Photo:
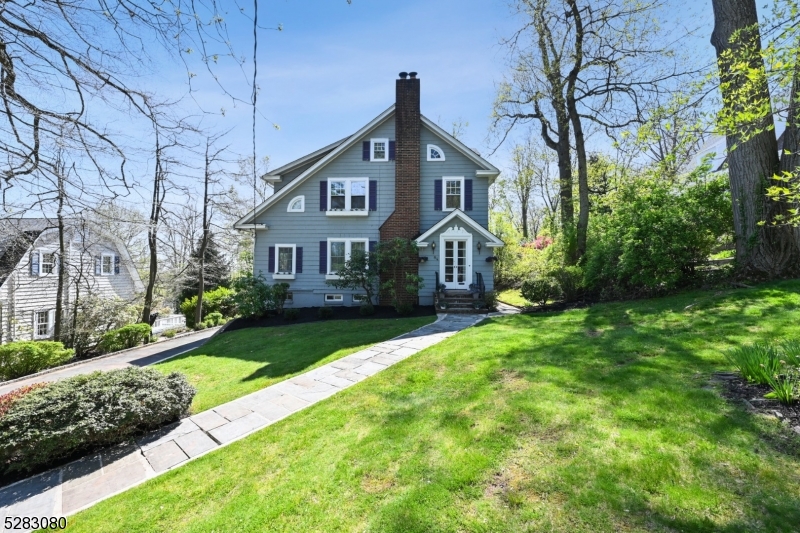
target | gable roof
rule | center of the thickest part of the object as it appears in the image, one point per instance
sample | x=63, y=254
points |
x=338, y=147
x=275, y=175
x=492, y=241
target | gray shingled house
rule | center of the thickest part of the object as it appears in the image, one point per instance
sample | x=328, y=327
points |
x=400, y=175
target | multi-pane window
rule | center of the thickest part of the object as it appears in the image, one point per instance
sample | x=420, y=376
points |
x=42, y=323
x=285, y=260
x=453, y=193
x=348, y=194
x=340, y=251
x=48, y=263
x=107, y=265
x=380, y=149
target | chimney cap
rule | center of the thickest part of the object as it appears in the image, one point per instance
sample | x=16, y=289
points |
x=403, y=75
x=413, y=75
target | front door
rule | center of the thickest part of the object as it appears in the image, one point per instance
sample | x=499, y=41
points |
x=455, y=264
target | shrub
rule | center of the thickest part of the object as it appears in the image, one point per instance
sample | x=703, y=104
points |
x=28, y=357
x=279, y=293
x=570, y=282
x=214, y=319
x=170, y=333
x=88, y=411
x=404, y=308
x=490, y=300
x=366, y=309
x=94, y=316
x=220, y=301
x=538, y=291
x=253, y=296
x=8, y=399
x=291, y=314
x=201, y=326
x=325, y=313
x=125, y=337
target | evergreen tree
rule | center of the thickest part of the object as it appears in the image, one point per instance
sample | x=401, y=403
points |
x=217, y=270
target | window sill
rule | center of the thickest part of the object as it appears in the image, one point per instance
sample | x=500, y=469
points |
x=283, y=276
x=332, y=276
x=347, y=213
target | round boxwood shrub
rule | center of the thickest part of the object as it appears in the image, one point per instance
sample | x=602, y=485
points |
x=325, y=313
x=86, y=412
x=291, y=314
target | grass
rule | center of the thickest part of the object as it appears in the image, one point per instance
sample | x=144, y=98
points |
x=589, y=420
x=239, y=362
x=512, y=297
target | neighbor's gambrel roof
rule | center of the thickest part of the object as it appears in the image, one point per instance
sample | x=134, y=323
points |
x=333, y=150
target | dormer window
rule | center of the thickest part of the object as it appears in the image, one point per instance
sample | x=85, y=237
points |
x=435, y=153
x=379, y=150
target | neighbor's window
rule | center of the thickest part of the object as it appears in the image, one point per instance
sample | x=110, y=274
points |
x=380, y=150
x=47, y=263
x=340, y=250
x=348, y=194
x=42, y=324
x=453, y=193
x=107, y=265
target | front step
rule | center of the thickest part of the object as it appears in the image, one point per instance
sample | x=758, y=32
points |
x=458, y=301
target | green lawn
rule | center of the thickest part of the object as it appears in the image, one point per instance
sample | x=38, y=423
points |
x=513, y=297
x=239, y=362
x=589, y=420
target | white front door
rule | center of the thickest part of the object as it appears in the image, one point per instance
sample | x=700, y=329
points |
x=455, y=258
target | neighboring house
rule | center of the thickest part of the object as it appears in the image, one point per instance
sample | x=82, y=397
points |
x=96, y=264
x=400, y=175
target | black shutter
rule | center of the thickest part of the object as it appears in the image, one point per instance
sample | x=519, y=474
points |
x=97, y=262
x=437, y=195
x=467, y=195
x=373, y=195
x=34, y=263
x=116, y=265
x=372, y=245
x=323, y=195
x=323, y=257
x=365, y=151
x=299, y=256
x=271, y=268
x=391, y=150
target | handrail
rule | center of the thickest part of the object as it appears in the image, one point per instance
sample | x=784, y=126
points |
x=481, y=285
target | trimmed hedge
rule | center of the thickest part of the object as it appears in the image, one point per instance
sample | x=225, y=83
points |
x=125, y=337
x=86, y=412
x=28, y=357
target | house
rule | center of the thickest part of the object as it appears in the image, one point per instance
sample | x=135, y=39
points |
x=400, y=175
x=95, y=264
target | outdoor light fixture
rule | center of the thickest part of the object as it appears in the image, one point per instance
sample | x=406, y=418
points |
x=479, y=246
x=433, y=246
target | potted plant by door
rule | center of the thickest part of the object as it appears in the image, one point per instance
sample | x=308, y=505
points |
x=441, y=289
x=475, y=290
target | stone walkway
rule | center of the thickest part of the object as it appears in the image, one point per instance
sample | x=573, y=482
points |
x=78, y=485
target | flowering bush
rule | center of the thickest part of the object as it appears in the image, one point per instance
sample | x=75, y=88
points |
x=8, y=399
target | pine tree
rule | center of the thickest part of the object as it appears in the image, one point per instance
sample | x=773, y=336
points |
x=217, y=270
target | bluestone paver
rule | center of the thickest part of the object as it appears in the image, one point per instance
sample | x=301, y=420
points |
x=84, y=482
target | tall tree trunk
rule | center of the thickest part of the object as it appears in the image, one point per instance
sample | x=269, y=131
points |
x=198, y=312
x=152, y=234
x=760, y=249
x=790, y=154
x=62, y=268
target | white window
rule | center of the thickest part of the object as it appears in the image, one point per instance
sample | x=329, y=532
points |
x=297, y=205
x=47, y=262
x=334, y=298
x=43, y=322
x=435, y=153
x=379, y=150
x=339, y=251
x=285, y=261
x=107, y=265
x=358, y=298
x=453, y=193
x=348, y=196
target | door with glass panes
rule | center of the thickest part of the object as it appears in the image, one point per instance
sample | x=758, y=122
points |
x=455, y=263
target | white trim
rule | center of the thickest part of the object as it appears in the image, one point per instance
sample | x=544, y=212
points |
x=285, y=275
x=456, y=234
x=53, y=263
x=434, y=147
x=336, y=298
x=493, y=241
x=251, y=226
x=372, y=150
x=445, y=179
x=275, y=175
x=102, y=262
x=301, y=209
x=50, y=319
x=362, y=298
x=348, y=242
x=357, y=136
x=348, y=211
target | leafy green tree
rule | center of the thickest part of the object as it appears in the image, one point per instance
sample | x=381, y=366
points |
x=359, y=272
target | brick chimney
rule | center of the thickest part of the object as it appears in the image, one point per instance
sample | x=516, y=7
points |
x=404, y=221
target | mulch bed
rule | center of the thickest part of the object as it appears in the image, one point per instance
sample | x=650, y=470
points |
x=737, y=389
x=309, y=314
